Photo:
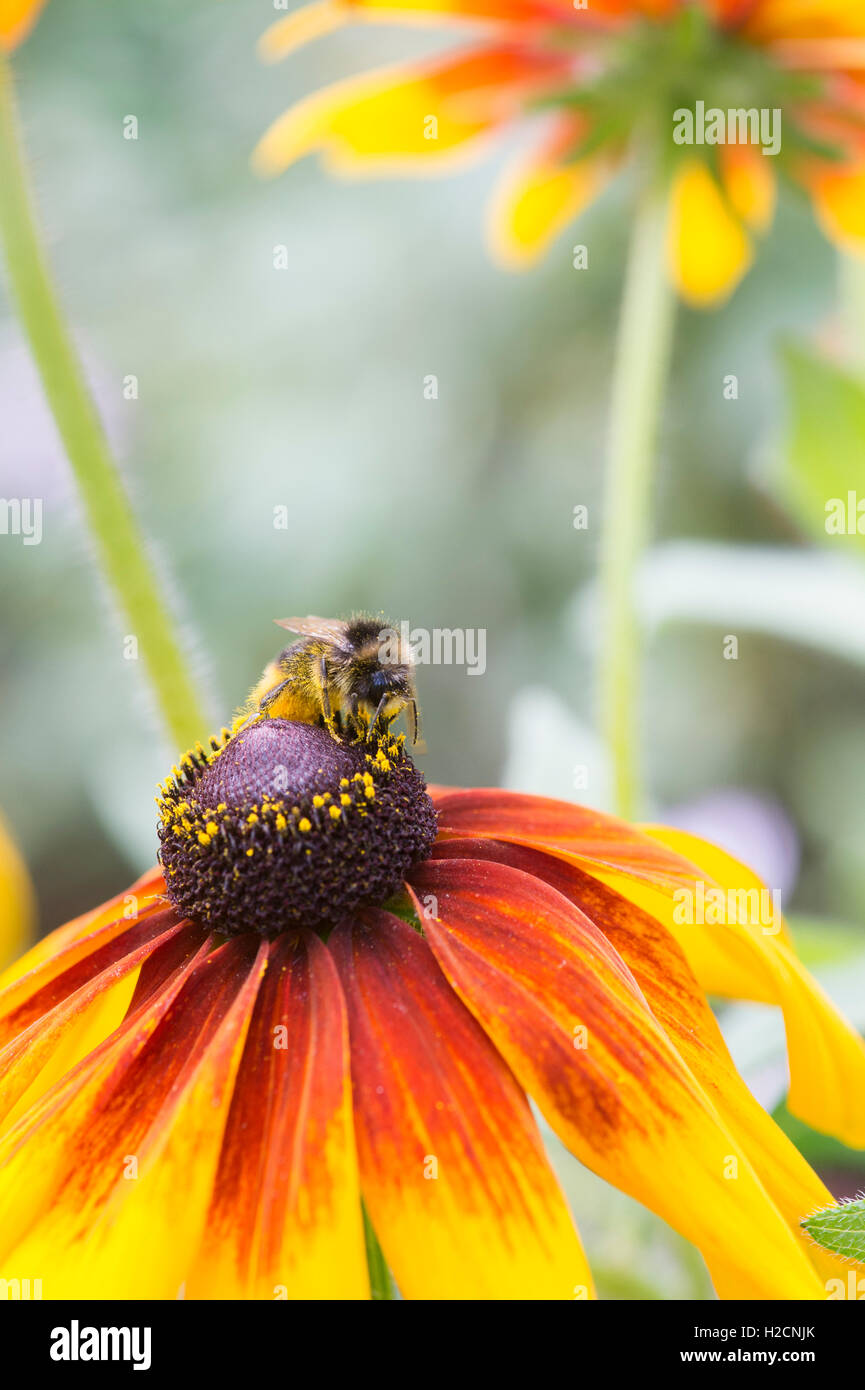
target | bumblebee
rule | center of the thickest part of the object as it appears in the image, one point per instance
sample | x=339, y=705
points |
x=353, y=677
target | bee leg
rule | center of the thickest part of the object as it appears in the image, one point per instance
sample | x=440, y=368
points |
x=271, y=695
x=372, y=723
x=329, y=721
x=414, y=725
x=354, y=722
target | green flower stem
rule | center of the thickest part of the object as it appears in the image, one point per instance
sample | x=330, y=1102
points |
x=120, y=545
x=380, y=1282
x=639, y=375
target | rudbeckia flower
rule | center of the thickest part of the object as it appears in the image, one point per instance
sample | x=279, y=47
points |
x=17, y=18
x=604, y=80
x=341, y=989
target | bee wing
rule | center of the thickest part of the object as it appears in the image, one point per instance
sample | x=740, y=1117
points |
x=334, y=628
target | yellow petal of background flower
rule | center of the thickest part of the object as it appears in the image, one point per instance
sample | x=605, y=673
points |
x=742, y=961
x=17, y=18
x=749, y=184
x=16, y=899
x=534, y=971
x=805, y=19
x=839, y=198
x=539, y=195
x=325, y=16
x=382, y=122
x=453, y=1171
x=709, y=250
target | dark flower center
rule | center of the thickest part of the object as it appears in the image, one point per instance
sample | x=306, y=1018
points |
x=281, y=826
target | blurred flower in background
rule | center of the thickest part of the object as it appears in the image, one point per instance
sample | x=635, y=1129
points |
x=17, y=18
x=16, y=900
x=605, y=80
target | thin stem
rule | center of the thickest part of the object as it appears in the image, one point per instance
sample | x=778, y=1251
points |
x=119, y=543
x=381, y=1284
x=640, y=372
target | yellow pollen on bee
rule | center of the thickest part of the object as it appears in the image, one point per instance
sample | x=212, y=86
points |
x=304, y=825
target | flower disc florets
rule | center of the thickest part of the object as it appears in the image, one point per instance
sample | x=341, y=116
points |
x=281, y=826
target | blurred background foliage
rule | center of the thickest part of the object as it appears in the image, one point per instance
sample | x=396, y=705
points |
x=303, y=387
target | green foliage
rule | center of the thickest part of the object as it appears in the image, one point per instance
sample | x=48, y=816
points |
x=824, y=455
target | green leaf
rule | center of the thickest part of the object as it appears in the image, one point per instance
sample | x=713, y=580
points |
x=821, y=476
x=840, y=1229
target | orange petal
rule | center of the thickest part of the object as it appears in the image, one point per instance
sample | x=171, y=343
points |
x=839, y=198
x=670, y=988
x=749, y=184
x=576, y=833
x=453, y=1171
x=323, y=17
x=144, y=896
x=564, y=1011
x=709, y=250
x=744, y=960
x=540, y=194
x=17, y=18
x=777, y=20
x=285, y=1219
x=38, y=1028
x=401, y=119
x=120, y=1157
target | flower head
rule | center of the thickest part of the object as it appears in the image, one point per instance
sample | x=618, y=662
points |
x=602, y=81
x=194, y=1097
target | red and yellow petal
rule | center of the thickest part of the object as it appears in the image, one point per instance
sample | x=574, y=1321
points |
x=775, y=20
x=121, y=1155
x=749, y=184
x=670, y=988
x=747, y=961
x=324, y=17
x=577, y=833
x=285, y=1218
x=403, y=119
x=839, y=201
x=145, y=895
x=541, y=193
x=453, y=1171
x=709, y=249
x=17, y=18
x=562, y=1008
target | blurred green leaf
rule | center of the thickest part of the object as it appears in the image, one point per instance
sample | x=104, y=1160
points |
x=840, y=1229
x=823, y=458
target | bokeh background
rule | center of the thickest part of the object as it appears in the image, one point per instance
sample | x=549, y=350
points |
x=304, y=387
